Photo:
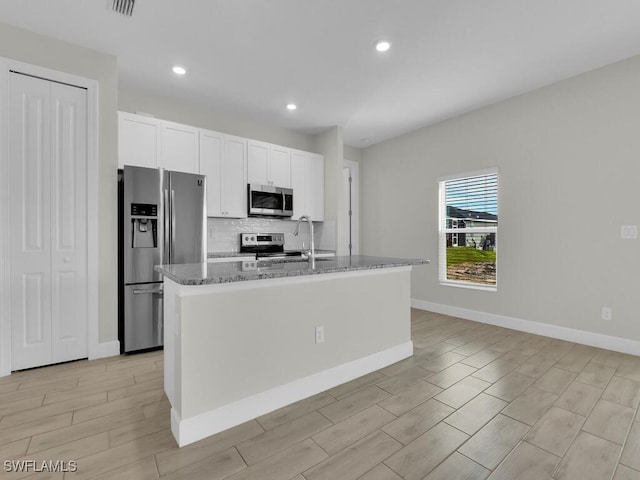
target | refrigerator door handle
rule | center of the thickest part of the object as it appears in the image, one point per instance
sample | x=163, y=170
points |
x=173, y=224
x=167, y=226
x=139, y=291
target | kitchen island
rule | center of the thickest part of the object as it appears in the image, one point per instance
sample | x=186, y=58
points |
x=245, y=338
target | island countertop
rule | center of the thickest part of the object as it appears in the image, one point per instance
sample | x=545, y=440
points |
x=245, y=270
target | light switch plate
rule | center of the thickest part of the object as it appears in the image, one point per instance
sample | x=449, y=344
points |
x=629, y=232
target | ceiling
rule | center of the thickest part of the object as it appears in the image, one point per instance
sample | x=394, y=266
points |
x=251, y=57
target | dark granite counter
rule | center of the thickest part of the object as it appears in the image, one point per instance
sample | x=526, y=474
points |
x=246, y=269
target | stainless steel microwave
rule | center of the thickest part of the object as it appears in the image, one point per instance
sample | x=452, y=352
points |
x=270, y=201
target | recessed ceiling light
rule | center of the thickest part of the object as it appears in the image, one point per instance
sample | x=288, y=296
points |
x=291, y=106
x=383, y=46
x=178, y=70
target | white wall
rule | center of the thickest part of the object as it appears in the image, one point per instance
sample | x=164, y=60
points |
x=46, y=52
x=352, y=153
x=569, y=161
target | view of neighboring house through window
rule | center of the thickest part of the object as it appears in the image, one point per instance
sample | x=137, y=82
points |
x=469, y=230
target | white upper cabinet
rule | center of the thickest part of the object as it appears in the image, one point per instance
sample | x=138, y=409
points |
x=234, y=177
x=148, y=142
x=138, y=140
x=223, y=161
x=179, y=148
x=269, y=164
x=258, y=162
x=307, y=181
x=211, y=151
x=228, y=162
x=300, y=182
x=316, y=187
x=280, y=166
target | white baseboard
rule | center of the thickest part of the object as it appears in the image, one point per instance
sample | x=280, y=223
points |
x=618, y=344
x=192, y=429
x=105, y=349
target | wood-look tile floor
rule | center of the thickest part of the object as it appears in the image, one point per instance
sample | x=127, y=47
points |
x=474, y=402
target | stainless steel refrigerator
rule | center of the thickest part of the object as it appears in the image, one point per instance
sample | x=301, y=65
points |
x=162, y=220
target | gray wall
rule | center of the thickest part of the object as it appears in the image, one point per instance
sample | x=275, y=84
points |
x=29, y=47
x=569, y=161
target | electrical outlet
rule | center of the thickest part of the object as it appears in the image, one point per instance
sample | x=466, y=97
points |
x=607, y=313
x=629, y=232
x=319, y=334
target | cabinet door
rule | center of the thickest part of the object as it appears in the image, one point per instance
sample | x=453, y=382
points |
x=179, y=148
x=258, y=162
x=138, y=140
x=300, y=182
x=211, y=154
x=234, y=177
x=280, y=166
x=316, y=187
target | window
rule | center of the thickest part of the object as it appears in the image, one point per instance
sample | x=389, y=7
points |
x=469, y=230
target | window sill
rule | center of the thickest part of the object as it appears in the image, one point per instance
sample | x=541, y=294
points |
x=471, y=286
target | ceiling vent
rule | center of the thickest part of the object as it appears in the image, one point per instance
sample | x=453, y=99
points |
x=125, y=7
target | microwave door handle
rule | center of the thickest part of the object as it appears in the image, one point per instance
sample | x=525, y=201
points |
x=167, y=226
x=284, y=202
x=173, y=225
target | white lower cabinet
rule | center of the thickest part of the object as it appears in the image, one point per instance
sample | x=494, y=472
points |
x=223, y=161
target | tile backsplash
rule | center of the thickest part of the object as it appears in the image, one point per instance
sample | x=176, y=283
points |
x=224, y=233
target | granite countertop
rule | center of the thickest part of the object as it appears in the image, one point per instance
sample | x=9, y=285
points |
x=229, y=254
x=244, y=270
x=244, y=254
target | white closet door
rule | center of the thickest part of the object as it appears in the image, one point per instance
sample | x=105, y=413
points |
x=68, y=222
x=47, y=162
x=30, y=170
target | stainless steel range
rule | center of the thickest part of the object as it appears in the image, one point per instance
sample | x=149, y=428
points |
x=266, y=245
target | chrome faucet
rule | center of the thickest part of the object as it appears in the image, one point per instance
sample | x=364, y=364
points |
x=312, y=252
